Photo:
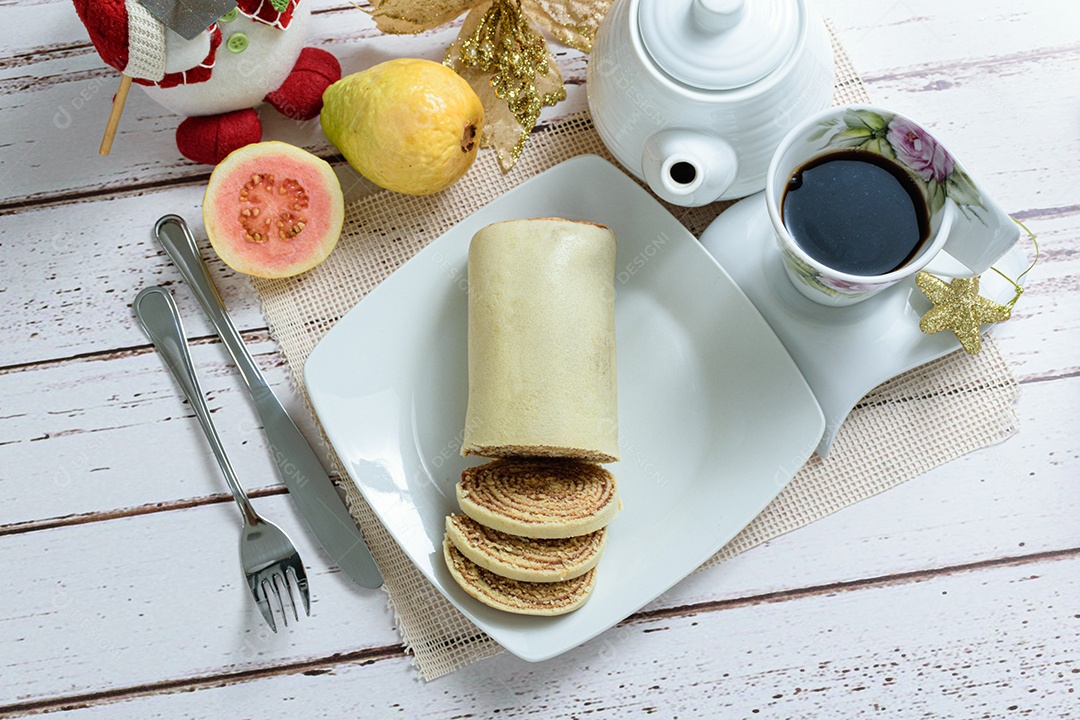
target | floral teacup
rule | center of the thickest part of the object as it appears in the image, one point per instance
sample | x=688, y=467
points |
x=968, y=231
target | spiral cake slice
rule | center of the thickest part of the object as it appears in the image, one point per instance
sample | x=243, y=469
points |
x=526, y=559
x=524, y=598
x=539, y=497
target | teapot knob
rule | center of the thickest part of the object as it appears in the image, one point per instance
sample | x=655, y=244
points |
x=716, y=16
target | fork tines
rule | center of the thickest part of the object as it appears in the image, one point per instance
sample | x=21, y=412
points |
x=271, y=581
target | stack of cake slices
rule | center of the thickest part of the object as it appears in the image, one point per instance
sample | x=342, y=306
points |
x=542, y=402
x=532, y=532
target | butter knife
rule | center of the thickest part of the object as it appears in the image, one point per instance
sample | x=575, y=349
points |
x=309, y=486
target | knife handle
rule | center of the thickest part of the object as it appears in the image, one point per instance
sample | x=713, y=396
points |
x=173, y=234
x=310, y=486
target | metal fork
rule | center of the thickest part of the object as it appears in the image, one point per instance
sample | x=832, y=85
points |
x=267, y=555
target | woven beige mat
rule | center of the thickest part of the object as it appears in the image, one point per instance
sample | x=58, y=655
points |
x=905, y=427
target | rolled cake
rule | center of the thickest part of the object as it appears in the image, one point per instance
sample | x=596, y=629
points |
x=524, y=598
x=540, y=497
x=526, y=559
x=542, y=341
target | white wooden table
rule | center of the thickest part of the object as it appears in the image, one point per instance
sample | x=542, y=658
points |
x=955, y=595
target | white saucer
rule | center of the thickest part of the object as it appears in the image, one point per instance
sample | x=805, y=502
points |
x=842, y=352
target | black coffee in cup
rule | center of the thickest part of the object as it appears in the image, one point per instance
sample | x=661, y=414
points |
x=856, y=212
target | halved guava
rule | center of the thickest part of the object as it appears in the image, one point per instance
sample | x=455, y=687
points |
x=273, y=210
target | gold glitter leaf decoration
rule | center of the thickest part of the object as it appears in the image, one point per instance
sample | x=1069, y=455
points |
x=572, y=22
x=507, y=63
x=415, y=16
x=502, y=54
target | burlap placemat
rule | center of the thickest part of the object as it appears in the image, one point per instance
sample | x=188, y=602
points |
x=903, y=428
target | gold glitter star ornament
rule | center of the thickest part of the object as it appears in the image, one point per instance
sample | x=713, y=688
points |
x=958, y=307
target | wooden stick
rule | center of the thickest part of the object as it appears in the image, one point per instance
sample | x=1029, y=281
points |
x=114, y=116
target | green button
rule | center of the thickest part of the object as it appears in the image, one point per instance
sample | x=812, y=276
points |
x=237, y=43
x=229, y=16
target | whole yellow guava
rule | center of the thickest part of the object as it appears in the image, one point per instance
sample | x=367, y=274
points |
x=408, y=125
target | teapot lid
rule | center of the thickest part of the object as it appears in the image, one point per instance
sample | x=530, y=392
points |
x=718, y=44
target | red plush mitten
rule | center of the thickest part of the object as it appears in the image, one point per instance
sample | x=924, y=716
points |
x=300, y=96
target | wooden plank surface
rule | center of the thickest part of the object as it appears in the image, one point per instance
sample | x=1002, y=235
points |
x=910, y=531
x=992, y=642
x=950, y=596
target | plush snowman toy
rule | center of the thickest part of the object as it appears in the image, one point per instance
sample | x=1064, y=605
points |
x=252, y=54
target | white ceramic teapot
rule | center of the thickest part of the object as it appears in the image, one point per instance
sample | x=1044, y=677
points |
x=693, y=96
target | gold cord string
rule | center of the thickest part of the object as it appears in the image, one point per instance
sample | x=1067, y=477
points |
x=1016, y=283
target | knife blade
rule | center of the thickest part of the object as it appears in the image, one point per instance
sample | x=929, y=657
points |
x=309, y=486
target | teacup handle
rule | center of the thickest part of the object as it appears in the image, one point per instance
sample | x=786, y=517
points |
x=979, y=234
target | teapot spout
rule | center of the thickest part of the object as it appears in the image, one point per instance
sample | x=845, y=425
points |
x=687, y=167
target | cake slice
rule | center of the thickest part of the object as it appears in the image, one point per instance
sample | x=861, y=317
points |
x=526, y=559
x=523, y=598
x=539, y=497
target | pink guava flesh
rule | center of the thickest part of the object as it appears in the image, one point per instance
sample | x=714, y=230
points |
x=273, y=210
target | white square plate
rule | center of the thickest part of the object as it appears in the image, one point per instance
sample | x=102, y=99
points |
x=714, y=416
